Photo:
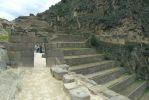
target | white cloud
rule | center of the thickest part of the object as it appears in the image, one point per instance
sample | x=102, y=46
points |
x=10, y=9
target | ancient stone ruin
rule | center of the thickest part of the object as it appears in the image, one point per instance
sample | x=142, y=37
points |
x=92, y=51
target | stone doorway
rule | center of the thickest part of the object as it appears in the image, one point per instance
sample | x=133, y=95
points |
x=39, y=55
x=21, y=47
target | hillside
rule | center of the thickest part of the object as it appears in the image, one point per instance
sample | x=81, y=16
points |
x=5, y=27
x=120, y=18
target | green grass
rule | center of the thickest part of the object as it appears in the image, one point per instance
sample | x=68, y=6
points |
x=147, y=90
x=139, y=81
x=4, y=37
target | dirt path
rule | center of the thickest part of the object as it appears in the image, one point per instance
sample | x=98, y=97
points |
x=38, y=84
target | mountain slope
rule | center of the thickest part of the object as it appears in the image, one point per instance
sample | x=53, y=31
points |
x=103, y=17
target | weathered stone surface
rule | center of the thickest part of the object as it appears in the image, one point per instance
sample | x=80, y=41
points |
x=118, y=98
x=138, y=92
x=32, y=22
x=53, y=54
x=50, y=46
x=5, y=26
x=50, y=61
x=8, y=84
x=15, y=38
x=28, y=38
x=27, y=53
x=14, y=46
x=80, y=93
x=59, y=71
x=70, y=86
x=27, y=61
x=68, y=78
x=3, y=59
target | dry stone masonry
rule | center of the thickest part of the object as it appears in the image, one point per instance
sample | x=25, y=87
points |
x=91, y=77
x=86, y=74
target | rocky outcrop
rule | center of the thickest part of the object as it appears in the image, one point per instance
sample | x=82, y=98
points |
x=5, y=26
x=31, y=23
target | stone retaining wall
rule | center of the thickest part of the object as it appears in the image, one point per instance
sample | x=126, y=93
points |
x=3, y=58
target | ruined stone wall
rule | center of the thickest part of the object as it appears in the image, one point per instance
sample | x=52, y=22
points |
x=3, y=59
x=21, y=48
x=133, y=56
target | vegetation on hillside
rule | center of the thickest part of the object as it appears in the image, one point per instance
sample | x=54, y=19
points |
x=131, y=17
x=4, y=37
x=106, y=13
x=133, y=56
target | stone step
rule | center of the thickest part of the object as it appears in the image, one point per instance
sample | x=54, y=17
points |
x=71, y=44
x=83, y=59
x=69, y=38
x=107, y=75
x=145, y=95
x=121, y=82
x=78, y=51
x=135, y=90
x=93, y=67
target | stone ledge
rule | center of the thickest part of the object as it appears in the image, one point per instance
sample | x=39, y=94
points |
x=80, y=93
x=84, y=89
x=70, y=86
x=58, y=71
x=68, y=78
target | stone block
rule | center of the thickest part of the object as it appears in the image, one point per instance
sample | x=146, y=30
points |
x=13, y=46
x=27, y=46
x=68, y=78
x=27, y=53
x=50, y=61
x=14, y=58
x=58, y=72
x=138, y=92
x=70, y=86
x=54, y=53
x=28, y=38
x=50, y=46
x=15, y=39
x=120, y=85
x=40, y=39
x=71, y=52
x=28, y=61
x=71, y=45
x=84, y=59
x=80, y=93
x=119, y=97
x=64, y=66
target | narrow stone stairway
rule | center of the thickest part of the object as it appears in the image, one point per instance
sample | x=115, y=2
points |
x=86, y=61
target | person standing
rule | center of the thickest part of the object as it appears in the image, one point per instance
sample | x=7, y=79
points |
x=40, y=49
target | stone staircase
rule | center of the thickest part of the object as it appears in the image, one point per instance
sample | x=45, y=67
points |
x=88, y=62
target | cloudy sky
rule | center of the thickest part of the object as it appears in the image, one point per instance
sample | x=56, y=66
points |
x=10, y=9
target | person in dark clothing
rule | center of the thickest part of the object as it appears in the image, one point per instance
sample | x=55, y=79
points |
x=40, y=49
x=37, y=48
